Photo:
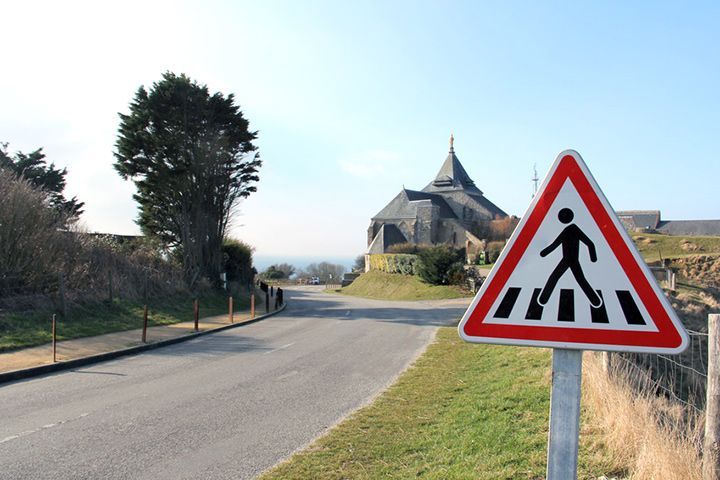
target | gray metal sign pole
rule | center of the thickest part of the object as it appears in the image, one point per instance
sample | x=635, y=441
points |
x=564, y=415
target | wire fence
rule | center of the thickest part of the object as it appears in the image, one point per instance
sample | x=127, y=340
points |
x=681, y=378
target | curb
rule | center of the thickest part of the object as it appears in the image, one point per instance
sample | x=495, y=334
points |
x=102, y=357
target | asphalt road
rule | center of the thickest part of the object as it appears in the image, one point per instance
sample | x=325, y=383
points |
x=227, y=405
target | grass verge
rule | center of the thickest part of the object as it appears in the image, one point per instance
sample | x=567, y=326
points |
x=462, y=411
x=21, y=330
x=391, y=286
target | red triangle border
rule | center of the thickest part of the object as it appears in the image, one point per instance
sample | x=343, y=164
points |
x=667, y=336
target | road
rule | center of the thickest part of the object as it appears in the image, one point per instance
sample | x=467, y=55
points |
x=226, y=405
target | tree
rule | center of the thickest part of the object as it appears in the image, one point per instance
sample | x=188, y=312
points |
x=359, y=264
x=323, y=270
x=34, y=168
x=279, y=271
x=191, y=157
x=238, y=262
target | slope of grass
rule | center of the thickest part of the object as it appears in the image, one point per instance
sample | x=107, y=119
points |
x=390, y=286
x=19, y=330
x=654, y=246
x=462, y=411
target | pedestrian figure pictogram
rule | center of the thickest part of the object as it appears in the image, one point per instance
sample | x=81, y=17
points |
x=570, y=239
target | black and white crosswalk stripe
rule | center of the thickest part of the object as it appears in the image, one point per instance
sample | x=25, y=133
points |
x=566, y=310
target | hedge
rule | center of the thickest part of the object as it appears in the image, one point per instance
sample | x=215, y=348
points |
x=403, y=263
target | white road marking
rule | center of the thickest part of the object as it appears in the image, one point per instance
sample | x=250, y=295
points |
x=44, y=427
x=280, y=348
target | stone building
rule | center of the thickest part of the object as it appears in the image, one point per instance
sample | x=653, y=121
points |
x=447, y=211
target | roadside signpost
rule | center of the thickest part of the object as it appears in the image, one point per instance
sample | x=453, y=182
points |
x=571, y=279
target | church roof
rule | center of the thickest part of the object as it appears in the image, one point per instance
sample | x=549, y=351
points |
x=406, y=203
x=452, y=176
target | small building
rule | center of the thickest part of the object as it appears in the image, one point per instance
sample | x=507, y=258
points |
x=450, y=210
x=650, y=221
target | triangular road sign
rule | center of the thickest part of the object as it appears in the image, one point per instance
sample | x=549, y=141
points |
x=570, y=277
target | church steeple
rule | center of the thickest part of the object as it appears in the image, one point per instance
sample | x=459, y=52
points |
x=452, y=175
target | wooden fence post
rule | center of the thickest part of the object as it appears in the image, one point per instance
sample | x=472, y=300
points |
x=61, y=294
x=144, y=332
x=230, y=308
x=252, y=305
x=711, y=449
x=54, y=338
x=196, y=309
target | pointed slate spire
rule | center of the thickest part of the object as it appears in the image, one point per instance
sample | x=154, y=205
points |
x=452, y=175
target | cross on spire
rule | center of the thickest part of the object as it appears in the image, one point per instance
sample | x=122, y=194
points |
x=452, y=141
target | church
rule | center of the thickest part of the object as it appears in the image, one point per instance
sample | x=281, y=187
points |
x=450, y=210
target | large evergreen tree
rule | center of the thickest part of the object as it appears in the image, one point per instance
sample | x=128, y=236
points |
x=191, y=156
x=34, y=168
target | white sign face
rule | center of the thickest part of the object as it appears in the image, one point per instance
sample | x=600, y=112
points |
x=570, y=277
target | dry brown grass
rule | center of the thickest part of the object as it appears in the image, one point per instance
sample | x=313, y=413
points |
x=644, y=433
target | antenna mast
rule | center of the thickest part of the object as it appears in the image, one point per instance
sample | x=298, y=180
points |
x=535, y=179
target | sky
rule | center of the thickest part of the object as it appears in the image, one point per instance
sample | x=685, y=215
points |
x=354, y=100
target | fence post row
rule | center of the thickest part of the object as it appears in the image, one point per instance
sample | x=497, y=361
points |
x=711, y=449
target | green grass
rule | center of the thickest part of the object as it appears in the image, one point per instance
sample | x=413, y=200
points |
x=86, y=320
x=390, y=286
x=654, y=246
x=463, y=411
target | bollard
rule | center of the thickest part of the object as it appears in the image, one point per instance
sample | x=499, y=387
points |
x=252, y=305
x=145, y=315
x=54, y=339
x=196, y=308
x=230, y=308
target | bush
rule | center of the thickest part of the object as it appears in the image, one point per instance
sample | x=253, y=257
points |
x=441, y=265
x=31, y=240
x=408, y=248
x=402, y=263
x=238, y=260
x=494, y=249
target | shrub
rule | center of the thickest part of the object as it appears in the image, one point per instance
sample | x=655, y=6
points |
x=31, y=243
x=237, y=257
x=439, y=265
x=404, y=264
x=494, y=249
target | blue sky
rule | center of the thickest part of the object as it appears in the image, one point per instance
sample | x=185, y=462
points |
x=353, y=100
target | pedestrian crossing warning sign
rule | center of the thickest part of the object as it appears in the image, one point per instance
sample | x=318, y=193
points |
x=570, y=277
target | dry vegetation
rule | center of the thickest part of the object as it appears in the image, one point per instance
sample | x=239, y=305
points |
x=645, y=433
